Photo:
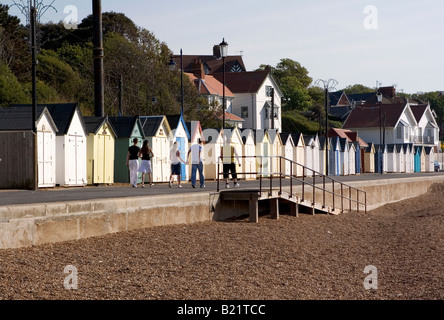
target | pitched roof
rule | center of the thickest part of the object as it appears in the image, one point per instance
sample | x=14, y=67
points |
x=20, y=118
x=93, y=124
x=124, y=125
x=213, y=64
x=418, y=111
x=61, y=113
x=243, y=82
x=231, y=117
x=150, y=124
x=345, y=133
x=367, y=116
x=209, y=86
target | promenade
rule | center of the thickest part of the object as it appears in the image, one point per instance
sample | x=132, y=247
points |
x=60, y=194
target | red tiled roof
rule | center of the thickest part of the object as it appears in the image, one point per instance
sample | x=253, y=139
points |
x=209, y=86
x=243, y=82
x=367, y=116
x=231, y=117
x=351, y=136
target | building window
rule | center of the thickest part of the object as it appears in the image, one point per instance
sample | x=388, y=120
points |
x=266, y=113
x=244, y=112
x=398, y=132
x=268, y=91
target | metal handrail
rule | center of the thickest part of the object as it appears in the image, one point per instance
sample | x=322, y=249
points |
x=304, y=182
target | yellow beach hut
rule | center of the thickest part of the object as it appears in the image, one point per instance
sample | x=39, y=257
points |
x=249, y=152
x=100, y=150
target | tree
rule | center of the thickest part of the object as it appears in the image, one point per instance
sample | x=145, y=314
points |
x=358, y=88
x=293, y=81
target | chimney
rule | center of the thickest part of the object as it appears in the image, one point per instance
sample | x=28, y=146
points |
x=389, y=92
x=198, y=69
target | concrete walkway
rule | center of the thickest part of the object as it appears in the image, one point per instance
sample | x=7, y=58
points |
x=11, y=197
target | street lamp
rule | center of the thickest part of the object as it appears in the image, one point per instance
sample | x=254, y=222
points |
x=223, y=53
x=379, y=97
x=172, y=66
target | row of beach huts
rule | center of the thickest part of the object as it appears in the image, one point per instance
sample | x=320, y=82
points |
x=75, y=150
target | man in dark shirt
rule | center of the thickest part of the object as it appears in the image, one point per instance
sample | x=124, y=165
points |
x=132, y=162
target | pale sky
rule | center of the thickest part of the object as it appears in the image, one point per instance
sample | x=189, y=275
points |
x=393, y=42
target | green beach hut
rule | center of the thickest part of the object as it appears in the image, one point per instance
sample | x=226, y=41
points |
x=127, y=128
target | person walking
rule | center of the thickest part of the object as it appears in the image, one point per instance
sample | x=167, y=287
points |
x=196, y=151
x=132, y=162
x=176, y=161
x=146, y=153
x=229, y=156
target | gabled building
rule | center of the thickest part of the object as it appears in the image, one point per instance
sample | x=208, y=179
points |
x=127, y=128
x=70, y=160
x=427, y=130
x=20, y=119
x=385, y=123
x=255, y=92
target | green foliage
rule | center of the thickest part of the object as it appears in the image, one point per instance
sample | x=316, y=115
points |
x=295, y=122
x=294, y=82
x=358, y=88
x=11, y=91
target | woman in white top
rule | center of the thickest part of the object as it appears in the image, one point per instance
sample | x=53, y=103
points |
x=175, y=164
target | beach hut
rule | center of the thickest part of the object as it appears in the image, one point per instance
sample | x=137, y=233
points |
x=275, y=151
x=400, y=157
x=20, y=119
x=70, y=159
x=249, y=153
x=429, y=158
x=157, y=131
x=380, y=158
x=351, y=158
x=182, y=136
x=369, y=158
x=195, y=129
x=334, y=157
x=127, y=128
x=287, y=153
x=410, y=159
x=311, y=154
x=262, y=143
x=358, y=157
x=322, y=154
x=100, y=150
x=391, y=158
x=344, y=157
x=298, y=153
x=211, y=159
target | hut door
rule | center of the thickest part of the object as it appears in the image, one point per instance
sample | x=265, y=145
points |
x=45, y=158
x=182, y=150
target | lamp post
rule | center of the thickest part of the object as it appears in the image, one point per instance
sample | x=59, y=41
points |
x=172, y=66
x=379, y=97
x=223, y=53
x=327, y=84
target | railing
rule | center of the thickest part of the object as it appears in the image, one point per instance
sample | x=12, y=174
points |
x=305, y=180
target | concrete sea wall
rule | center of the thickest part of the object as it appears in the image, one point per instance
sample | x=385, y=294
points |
x=36, y=224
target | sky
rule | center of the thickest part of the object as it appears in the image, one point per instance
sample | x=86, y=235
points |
x=371, y=42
